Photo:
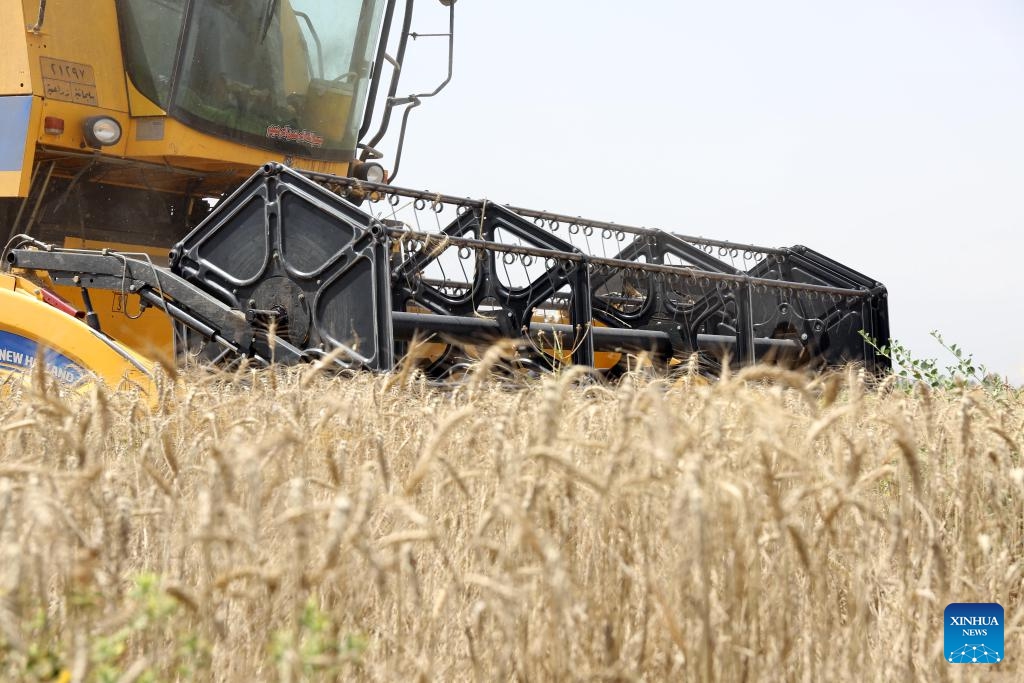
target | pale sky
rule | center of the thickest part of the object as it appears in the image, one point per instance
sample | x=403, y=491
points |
x=887, y=134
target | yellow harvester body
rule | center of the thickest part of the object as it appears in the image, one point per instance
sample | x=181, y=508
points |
x=201, y=94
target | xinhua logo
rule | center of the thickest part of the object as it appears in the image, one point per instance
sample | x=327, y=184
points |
x=973, y=633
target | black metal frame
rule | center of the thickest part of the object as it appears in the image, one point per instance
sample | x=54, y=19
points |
x=286, y=269
x=181, y=300
x=300, y=260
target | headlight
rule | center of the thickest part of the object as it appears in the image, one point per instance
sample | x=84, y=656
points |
x=370, y=172
x=101, y=131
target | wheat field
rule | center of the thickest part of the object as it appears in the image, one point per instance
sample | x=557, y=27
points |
x=283, y=525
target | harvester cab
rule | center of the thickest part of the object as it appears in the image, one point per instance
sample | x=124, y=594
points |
x=238, y=137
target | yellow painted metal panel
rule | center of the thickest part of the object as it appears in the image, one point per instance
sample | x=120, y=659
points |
x=150, y=332
x=14, y=68
x=183, y=146
x=25, y=316
x=34, y=126
x=10, y=183
x=139, y=104
x=73, y=115
x=81, y=34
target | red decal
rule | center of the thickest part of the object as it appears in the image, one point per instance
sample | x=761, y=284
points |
x=305, y=137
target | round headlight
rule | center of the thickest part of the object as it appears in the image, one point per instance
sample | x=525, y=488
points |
x=101, y=131
x=370, y=172
x=375, y=173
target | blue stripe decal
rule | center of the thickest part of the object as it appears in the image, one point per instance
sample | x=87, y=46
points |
x=18, y=354
x=15, y=111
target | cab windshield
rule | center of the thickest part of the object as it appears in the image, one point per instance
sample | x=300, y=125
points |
x=285, y=75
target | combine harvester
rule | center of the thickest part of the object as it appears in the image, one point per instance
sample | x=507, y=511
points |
x=199, y=178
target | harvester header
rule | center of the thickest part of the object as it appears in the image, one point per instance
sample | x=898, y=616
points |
x=286, y=269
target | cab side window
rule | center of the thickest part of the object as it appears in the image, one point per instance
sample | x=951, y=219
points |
x=151, y=29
